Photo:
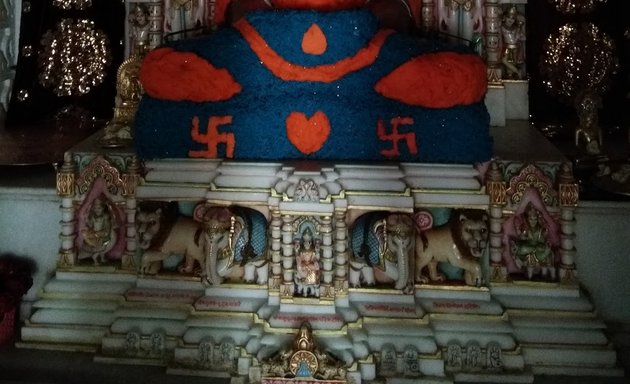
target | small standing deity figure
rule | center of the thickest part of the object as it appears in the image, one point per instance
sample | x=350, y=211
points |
x=139, y=29
x=99, y=235
x=513, y=35
x=532, y=249
x=461, y=19
x=588, y=135
x=307, y=261
x=183, y=16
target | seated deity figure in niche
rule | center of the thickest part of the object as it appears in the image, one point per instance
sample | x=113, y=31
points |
x=98, y=235
x=139, y=29
x=183, y=17
x=532, y=248
x=513, y=35
x=461, y=20
x=307, y=262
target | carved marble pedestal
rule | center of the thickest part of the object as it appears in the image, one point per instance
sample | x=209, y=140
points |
x=516, y=319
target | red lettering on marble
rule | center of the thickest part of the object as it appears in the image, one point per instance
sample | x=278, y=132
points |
x=389, y=308
x=314, y=318
x=220, y=303
x=454, y=305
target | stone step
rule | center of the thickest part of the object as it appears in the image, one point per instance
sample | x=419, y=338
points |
x=46, y=316
x=387, y=328
x=461, y=306
x=95, y=305
x=569, y=356
x=551, y=336
x=221, y=321
x=162, y=296
x=590, y=374
x=78, y=288
x=128, y=278
x=183, y=282
x=147, y=326
x=65, y=336
x=194, y=335
x=477, y=324
x=152, y=313
x=557, y=303
x=552, y=320
x=424, y=344
x=388, y=309
x=229, y=304
x=452, y=292
x=489, y=377
x=535, y=289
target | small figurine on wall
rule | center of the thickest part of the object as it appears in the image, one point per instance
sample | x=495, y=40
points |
x=531, y=247
x=513, y=34
x=98, y=236
x=531, y=237
x=588, y=135
x=307, y=262
x=100, y=226
x=139, y=29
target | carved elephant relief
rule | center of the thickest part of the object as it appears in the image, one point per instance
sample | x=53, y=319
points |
x=383, y=247
x=234, y=243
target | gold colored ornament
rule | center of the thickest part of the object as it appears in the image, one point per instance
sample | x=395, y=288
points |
x=128, y=94
x=576, y=58
x=72, y=4
x=576, y=6
x=74, y=57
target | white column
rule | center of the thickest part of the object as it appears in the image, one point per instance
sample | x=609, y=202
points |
x=288, y=258
x=65, y=189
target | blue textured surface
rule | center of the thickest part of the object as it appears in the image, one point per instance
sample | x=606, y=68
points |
x=255, y=234
x=363, y=237
x=259, y=111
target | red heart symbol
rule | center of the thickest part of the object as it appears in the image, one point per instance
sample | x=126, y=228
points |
x=308, y=135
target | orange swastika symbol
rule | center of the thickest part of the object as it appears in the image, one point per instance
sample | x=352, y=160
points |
x=213, y=138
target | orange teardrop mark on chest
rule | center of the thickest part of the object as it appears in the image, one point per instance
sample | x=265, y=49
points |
x=314, y=41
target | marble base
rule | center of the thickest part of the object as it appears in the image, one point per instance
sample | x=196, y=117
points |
x=445, y=332
x=134, y=320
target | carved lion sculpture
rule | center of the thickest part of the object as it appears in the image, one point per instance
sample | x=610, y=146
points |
x=460, y=243
x=161, y=233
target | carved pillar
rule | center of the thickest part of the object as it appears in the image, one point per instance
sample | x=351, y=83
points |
x=341, y=254
x=568, y=199
x=496, y=189
x=288, y=266
x=428, y=16
x=275, y=265
x=66, y=176
x=326, y=259
x=493, y=34
x=130, y=181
